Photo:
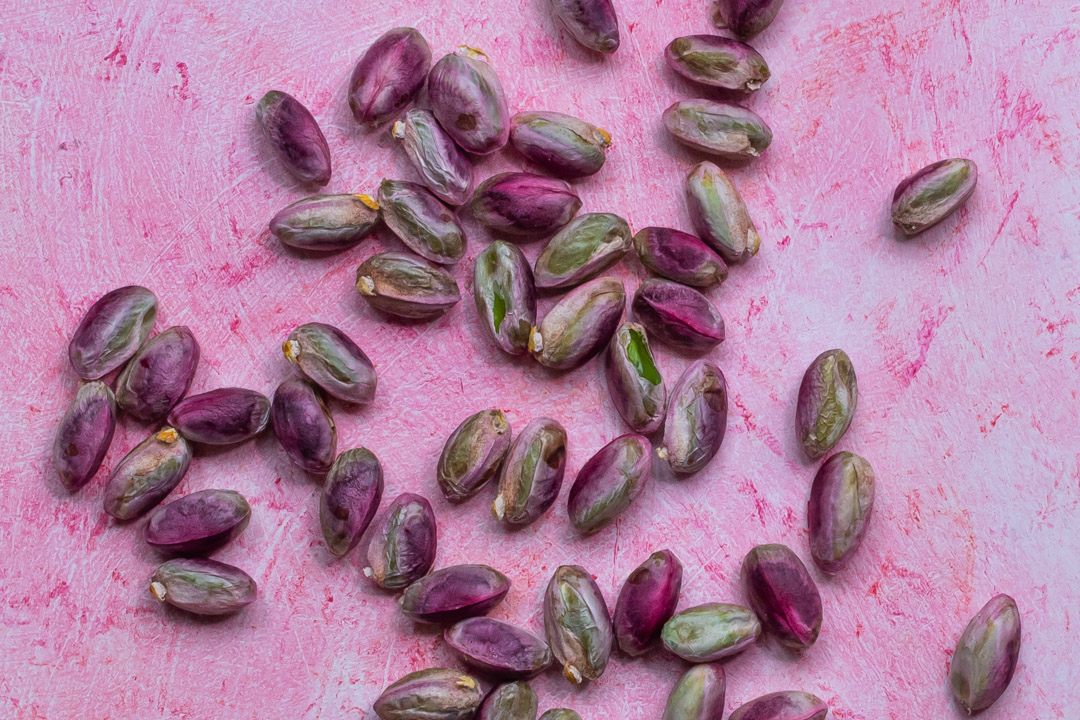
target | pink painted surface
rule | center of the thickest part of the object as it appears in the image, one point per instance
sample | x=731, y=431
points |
x=128, y=155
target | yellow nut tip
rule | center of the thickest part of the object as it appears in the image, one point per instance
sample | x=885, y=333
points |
x=661, y=452
x=498, y=508
x=572, y=674
x=473, y=52
x=753, y=241
x=158, y=590
x=499, y=422
x=605, y=136
x=536, y=340
x=291, y=348
x=397, y=129
x=365, y=285
x=369, y=201
x=466, y=682
x=168, y=435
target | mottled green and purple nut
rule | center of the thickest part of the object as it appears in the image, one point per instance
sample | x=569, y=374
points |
x=454, y=593
x=84, y=435
x=432, y=694
x=786, y=705
x=561, y=144
x=609, y=483
x=841, y=501
x=303, y=425
x=523, y=205
x=511, y=701
x=326, y=223
x=592, y=23
x=498, y=648
x=932, y=194
x=202, y=586
x=782, y=595
x=473, y=454
x=699, y=694
x=723, y=129
x=590, y=244
x=580, y=325
x=696, y=419
x=634, y=382
x=330, y=359
x=295, y=137
x=198, y=523
x=827, y=398
x=421, y=221
x=403, y=544
x=111, y=331
x=221, y=417
x=532, y=474
x=578, y=625
x=719, y=214
x=388, y=76
x=560, y=714
x=147, y=474
x=350, y=497
x=505, y=294
x=468, y=101
x=158, y=375
x=986, y=655
x=745, y=18
x=435, y=157
x=646, y=601
x=718, y=62
x=404, y=285
x=709, y=632
x=679, y=256
x=678, y=315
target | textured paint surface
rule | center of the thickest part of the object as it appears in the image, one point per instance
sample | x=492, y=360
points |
x=129, y=154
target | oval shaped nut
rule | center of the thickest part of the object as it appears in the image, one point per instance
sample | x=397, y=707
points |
x=198, y=523
x=295, y=137
x=678, y=315
x=580, y=325
x=696, y=419
x=932, y=194
x=719, y=214
x=304, y=426
x=442, y=167
x=532, y=474
x=786, y=705
x=454, y=593
x=330, y=359
x=406, y=286
x=468, y=101
x=635, y=384
x=511, y=701
x=84, y=435
x=523, y=205
x=590, y=244
x=726, y=130
x=717, y=62
x=202, y=587
x=745, y=18
x=388, y=76
x=561, y=144
x=609, y=483
x=709, y=632
x=841, y=501
x=112, y=331
x=577, y=623
x=592, y=23
x=986, y=655
x=403, y=543
x=505, y=295
x=560, y=714
x=432, y=694
x=782, y=595
x=646, y=601
x=221, y=417
x=699, y=694
x=679, y=256
x=147, y=474
x=158, y=375
x=473, y=454
x=349, y=499
x=421, y=221
x=326, y=223
x=828, y=396
x=498, y=648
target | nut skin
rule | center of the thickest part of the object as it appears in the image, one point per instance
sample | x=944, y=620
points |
x=159, y=375
x=646, y=601
x=349, y=499
x=406, y=286
x=699, y=694
x=745, y=18
x=986, y=655
x=498, y=648
x=562, y=145
x=202, y=587
x=221, y=417
x=590, y=244
x=454, y=593
x=473, y=454
x=468, y=101
x=786, y=705
x=524, y=206
x=112, y=331
x=710, y=632
x=388, y=76
x=304, y=427
x=532, y=474
x=828, y=396
x=634, y=382
x=441, y=165
x=421, y=221
x=84, y=435
x=719, y=214
x=580, y=325
x=577, y=623
x=679, y=256
x=330, y=359
x=592, y=23
x=726, y=130
x=505, y=295
x=511, y=701
x=841, y=502
x=432, y=694
x=199, y=523
x=678, y=315
x=718, y=62
x=147, y=474
x=930, y=195
x=326, y=223
x=295, y=137
x=403, y=543
x=609, y=483
x=782, y=595
x=696, y=419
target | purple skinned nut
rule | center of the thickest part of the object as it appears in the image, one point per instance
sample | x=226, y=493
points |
x=646, y=601
x=111, y=331
x=986, y=654
x=505, y=295
x=609, y=483
x=577, y=623
x=719, y=214
x=159, y=375
x=198, y=523
x=679, y=256
x=407, y=286
x=532, y=473
x=634, y=382
x=431, y=694
x=510, y=701
x=330, y=359
x=786, y=705
x=590, y=244
x=930, y=195
x=473, y=454
x=783, y=595
x=454, y=593
x=350, y=497
x=717, y=62
x=678, y=315
x=84, y=435
x=710, y=632
x=304, y=426
x=221, y=417
x=580, y=325
x=326, y=223
x=436, y=158
x=388, y=76
x=841, y=501
x=295, y=137
x=828, y=396
x=468, y=101
x=423, y=222
x=524, y=206
x=745, y=18
x=592, y=23
x=726, y=130
x=699, y=694
x=696, y=419
x=202, y=587
x=147, y=474
x=498, y=648
x=403, y=543
x=561, y=144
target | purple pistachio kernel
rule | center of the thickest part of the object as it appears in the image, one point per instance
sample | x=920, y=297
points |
x=454, y=593
x=636, y=387
x=421, y=221
x=679, y=256
x=986, y=655
x=717, y=62
x=719, y=214
x=202, y=587
x=647, y=600
x=592, y=23
x=147, y=474
x=609, y=483
x=841, y=500
x=578, y=624
x=326, y=223
x=828, y=396
x=532, y=474
x=432, y=694
x=699, y=694
x=330, y=359
x=745, y=18
x=678, y=315
x=221, y=417
x=498, y=648
x=505, y=294
x=84, y=435
x=198, y=523
x=696, y=419
x=523, y=205
x=304, y=427
x=782, y=594
x=710, y=632
x=295, y=137
x=723, y=129
x=580, y=325
x=932, y=194
x=511, y=701
x=111, y=331
x=473, y=454
x=403, y=543
x=388, y=76
x=404, y=285
x=561, y=144
x=787, y=705
x=350, y=497
x=159, y=375
x=468, y=101
x=590, y=244
x=442, y=167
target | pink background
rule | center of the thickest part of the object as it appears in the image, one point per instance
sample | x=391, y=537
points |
x=128, y=154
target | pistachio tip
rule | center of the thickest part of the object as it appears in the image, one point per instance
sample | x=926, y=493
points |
x=365, y=285
x=291, y=348
x=168, y=435
x=158, y=590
